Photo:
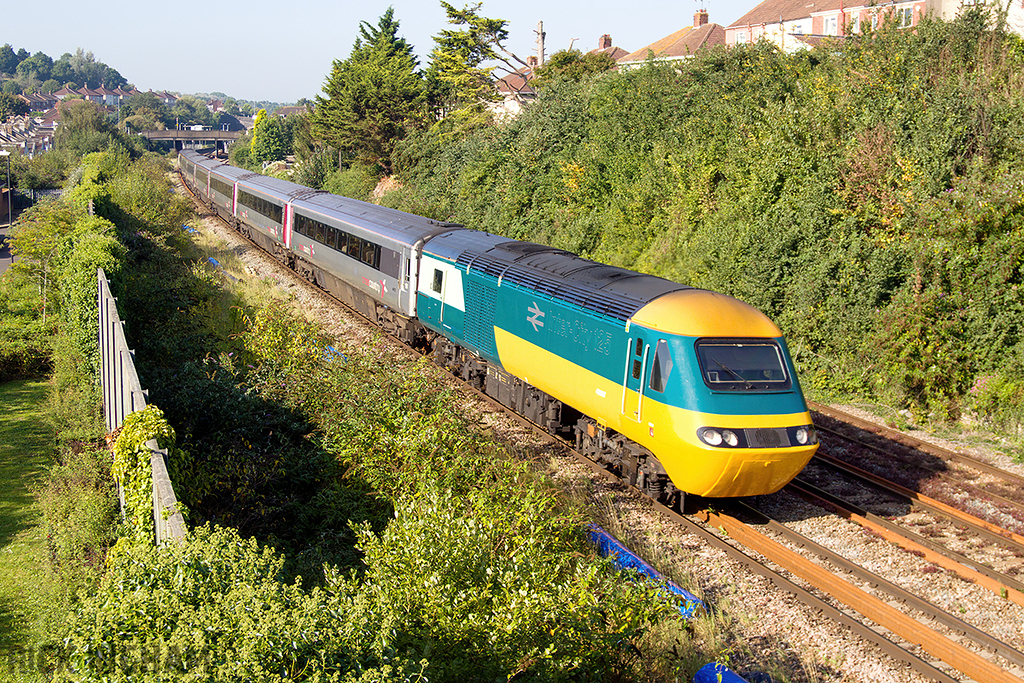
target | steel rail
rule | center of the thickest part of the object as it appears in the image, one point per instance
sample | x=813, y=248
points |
x=936, y=472
x=805, y=596
x=890, y=533
x=907, y=440
x=979, y=526
x=975, y=572
x=906, y=627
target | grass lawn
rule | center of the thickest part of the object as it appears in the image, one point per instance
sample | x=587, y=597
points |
x=28, y=603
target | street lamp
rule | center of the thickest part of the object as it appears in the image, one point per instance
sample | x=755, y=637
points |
x=5, y=153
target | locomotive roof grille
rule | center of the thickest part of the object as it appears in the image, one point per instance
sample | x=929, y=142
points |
x=590, y=298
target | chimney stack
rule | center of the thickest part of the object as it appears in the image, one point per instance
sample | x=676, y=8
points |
x=700, y=17
x=605, y=42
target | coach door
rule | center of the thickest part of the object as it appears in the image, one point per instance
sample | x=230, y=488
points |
x=632, y=381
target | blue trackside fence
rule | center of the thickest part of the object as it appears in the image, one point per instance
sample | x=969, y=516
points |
x=122, y=396
x=624, y=558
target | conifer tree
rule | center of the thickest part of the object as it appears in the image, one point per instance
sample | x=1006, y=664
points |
x=372, y=98
x=269, y=141
x=457, y=76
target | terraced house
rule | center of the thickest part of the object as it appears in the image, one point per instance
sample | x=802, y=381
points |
x=798, y=24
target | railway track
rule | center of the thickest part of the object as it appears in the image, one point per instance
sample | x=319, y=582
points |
x=926, y=638
x=924, y=462
x=964, y=511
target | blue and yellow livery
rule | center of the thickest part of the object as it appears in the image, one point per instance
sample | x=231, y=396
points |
x=702, y=382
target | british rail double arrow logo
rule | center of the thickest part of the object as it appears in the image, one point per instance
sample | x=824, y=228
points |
x=537, y=319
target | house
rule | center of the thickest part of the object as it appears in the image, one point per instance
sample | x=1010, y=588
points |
x=106, y=97
x=515, y=91
x=166, y=98
x=1015, y=17
x=604, y=46
x=797, y=24
x=680, y=45
x=39, y=101
x=27, y=135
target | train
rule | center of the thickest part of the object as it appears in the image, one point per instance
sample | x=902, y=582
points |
x=684, y=393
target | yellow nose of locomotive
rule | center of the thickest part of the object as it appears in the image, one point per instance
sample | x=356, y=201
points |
x=735, y=423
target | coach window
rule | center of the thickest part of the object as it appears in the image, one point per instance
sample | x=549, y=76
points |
x=662, y=367
x=320, y=236
x=370, y=252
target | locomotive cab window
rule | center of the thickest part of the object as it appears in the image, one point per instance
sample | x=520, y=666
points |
x=438, y=281
x=638, y=357
x=742, y=365
x=661, y=368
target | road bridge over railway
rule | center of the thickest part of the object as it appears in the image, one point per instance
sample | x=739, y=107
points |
x=195, y=139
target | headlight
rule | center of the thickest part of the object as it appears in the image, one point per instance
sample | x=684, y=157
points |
x=715, y=436
x=806, y=435
x=712, y=437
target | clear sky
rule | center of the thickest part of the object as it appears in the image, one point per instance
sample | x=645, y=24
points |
x=282, y=50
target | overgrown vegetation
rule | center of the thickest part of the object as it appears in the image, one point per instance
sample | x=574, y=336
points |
x=867, y=195
x=326, y=491
x=347, y=522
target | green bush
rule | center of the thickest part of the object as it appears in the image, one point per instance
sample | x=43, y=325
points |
x=999, y=401
x=132, y=468
x=80, y=509
x=491, y=585
x=214, y=607
x=357, y=181
x=24, y=349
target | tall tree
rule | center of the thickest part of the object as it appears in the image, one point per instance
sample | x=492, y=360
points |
x=11, y=106
x=269, y=140
x=372, y=98
x=8, y=60
x=83, y=127
x=145, y=111
x=457, y=74
x=62, y=70
x=189, y=110
x=34, y=69
x=574, y=65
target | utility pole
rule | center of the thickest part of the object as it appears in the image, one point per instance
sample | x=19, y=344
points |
x=540, y=43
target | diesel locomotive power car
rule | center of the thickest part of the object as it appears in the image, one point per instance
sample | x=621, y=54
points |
x=678, y=390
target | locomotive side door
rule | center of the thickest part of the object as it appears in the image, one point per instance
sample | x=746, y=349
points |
x=633, y=378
